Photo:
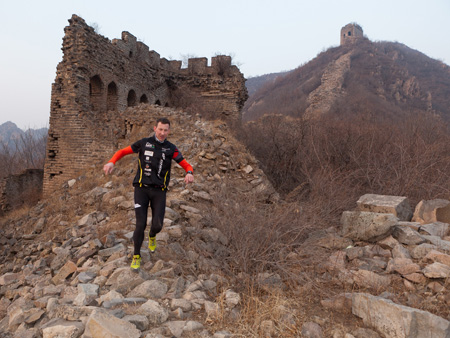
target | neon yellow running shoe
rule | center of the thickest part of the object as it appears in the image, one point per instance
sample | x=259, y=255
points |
x=152, y=243
x=136, y=263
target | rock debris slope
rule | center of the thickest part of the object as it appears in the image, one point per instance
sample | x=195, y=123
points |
x=386, y=247
x=64, y=263
x=64, y=268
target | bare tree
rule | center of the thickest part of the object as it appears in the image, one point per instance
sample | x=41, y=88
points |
x=25, y=152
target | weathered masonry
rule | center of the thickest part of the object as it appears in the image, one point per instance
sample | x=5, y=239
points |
x=351, y=33
x=98, y=79
x=17, y=190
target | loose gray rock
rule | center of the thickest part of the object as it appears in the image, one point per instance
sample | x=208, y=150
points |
x=141, y=322
x=152, y=289
x=399, y=251
x=429, y=211
x=403, y=266
x=86, y=294
x=437, y=256
x=86, y=276
x=435, y=229
x=123, y=280
x=102, y=324
x=182, y=304
x=154, y=312
x=397, y=205
x=407, y=236
x=370, y=279
x=395, y=321
x=311, y=330
x=440, y=243
x=437, y=270
x=422, y=250
x=64, y=329
x=367, y=226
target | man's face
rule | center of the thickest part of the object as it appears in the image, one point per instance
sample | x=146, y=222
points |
x=161, y=131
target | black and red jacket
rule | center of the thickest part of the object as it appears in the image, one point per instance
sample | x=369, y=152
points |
x=154, y=162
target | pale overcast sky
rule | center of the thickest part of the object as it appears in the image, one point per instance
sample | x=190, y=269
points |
x=263, y=36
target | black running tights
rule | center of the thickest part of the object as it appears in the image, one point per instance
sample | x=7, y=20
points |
x=143, y=197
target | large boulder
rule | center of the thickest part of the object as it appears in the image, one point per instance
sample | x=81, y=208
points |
x=367, y=226
x=430, y=211
x=395, y=321
x=101, y=324
x=397, y=205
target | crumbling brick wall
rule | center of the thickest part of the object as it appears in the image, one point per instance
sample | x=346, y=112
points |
x=351, y=33
x=98, y=79
x=16, y=190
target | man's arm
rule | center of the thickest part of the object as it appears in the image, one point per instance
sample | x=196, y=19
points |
x=189, y=178
x=108, y=167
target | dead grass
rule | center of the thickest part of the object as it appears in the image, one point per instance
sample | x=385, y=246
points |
x=261, y=235
x=338, y=161
x=322, y=167
x=271, y=238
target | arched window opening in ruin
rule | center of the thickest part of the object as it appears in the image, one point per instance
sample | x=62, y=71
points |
x=111, y=99
x=130, y=54
x=96, y=93
x=131, y=100
x=158, y=103
x=349, y=33
x=143, y=99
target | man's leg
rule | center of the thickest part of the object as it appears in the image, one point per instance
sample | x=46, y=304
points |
x=158, y=205
x=141, y=201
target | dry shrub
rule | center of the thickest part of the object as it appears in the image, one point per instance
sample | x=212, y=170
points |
x=17, y=158
x=321, y=167
x=336, y=161
x=25, y=152
x=15, y=215
x=271, y=314
x=261, y=235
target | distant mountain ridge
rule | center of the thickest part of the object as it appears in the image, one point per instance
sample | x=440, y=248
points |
x=253, y=84
x=386, y=79
x=10, y=133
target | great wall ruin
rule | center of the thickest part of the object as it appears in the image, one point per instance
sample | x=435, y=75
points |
x=98, y=79
x=351, y=33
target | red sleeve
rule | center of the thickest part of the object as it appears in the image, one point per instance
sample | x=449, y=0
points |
x=186, y=166
x=121, y=153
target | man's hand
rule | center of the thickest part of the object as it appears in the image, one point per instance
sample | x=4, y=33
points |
x=189, y=178
x=108, y=168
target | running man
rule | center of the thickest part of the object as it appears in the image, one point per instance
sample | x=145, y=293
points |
x=155, y=155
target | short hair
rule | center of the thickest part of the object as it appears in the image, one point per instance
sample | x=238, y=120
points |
x=163, y=120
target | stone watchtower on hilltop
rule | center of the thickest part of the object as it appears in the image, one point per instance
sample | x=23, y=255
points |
x=351, y=33
x=98, y=79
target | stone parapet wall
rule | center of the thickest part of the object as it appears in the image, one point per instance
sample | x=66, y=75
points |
x=98, y=79
x=16, y=190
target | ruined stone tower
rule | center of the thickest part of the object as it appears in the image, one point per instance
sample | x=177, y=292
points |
x=351, y=33
x=98, y=79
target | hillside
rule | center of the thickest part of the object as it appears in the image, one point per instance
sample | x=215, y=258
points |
x=233, y=259
x=383, y=79
x=253, y=84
